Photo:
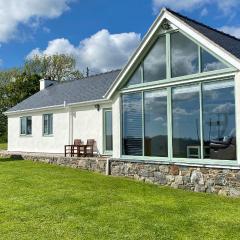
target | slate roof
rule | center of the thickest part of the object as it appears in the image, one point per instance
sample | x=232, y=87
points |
x=87, y=89
x=224, y=40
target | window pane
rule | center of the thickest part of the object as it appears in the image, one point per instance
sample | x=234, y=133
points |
x=45, y=124
x=186, y=121
x=219, y=120
x=209, y=62
x=184, y=55
x=29, y=125
x=155, y=115
x=50, y=124
x=132, y=124
x=136, y=78
x=108, y=131
x=23, y=125
x=155, y=62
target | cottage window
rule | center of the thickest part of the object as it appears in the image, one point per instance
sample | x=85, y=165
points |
x=108, y=137
x=26, y=125
x=47, y=124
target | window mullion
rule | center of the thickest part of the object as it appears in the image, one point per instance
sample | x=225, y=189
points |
x=169, y=117
x=143, y=126
x=199, y=60
x=201, y=121
x=168, y=57
x=25, y=119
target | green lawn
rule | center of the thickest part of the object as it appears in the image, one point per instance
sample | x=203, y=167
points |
x=41, y=201
x=3, y=146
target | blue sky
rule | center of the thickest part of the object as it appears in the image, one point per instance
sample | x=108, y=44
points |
x=100, y=34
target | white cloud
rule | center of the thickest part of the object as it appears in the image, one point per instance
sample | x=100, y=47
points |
x=204, y=12
x=101, y=52
x=232, y=30
x=227, y=7
x=27, y=12
x=178, y=5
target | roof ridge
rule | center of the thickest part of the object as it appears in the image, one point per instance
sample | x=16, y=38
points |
x=97, y=74
x=202, y=24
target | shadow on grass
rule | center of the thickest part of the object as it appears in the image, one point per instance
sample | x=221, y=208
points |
x=11, y=158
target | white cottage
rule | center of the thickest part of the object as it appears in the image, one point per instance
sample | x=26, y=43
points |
x=176, y=100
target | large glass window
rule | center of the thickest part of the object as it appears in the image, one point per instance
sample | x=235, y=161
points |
x=186, y=122
x=209, y=62
x=132, y=124
x=155, y=62
x=108, y=140
x=219, y=120
x=155, y=116
x=26, y=125
x=47, y=124
x=184, y=55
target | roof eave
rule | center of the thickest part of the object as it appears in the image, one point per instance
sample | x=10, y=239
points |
x=58, y=107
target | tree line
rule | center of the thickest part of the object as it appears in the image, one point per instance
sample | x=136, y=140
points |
x=20, y=83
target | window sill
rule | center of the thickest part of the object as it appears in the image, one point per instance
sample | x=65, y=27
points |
x=48, y=135
x=107, y=153
x=25, y=135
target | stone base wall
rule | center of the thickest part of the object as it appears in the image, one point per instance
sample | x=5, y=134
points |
x=220, y=181
x=95, y=164
x=199, y=179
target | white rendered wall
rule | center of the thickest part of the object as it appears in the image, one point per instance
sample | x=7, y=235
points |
x=87, y=123
x=37, y=142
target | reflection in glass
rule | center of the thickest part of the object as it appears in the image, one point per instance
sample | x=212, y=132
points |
x=26, y=125
x=135, y=78
x=155, y=62
x=184, y=55
x=108, y=130
x=219, y=120
x=186, y=122
x=209, y=62
x=23, y=125
x=132, y=124
x=47, y=124
x=155, y=115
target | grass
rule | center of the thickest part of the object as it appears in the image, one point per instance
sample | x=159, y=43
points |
x=41, y=201
x=3, y=146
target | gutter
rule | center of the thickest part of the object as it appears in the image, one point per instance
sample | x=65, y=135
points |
x=56, y=107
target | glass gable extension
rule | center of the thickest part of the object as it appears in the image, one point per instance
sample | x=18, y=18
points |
x=186, y=58
x=201, y=118
x=192, y=121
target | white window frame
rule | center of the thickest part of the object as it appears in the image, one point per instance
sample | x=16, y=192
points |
x=24, y=118
x=48, y=133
